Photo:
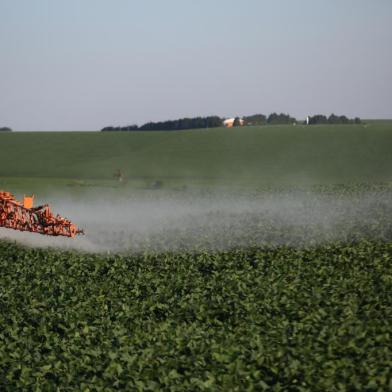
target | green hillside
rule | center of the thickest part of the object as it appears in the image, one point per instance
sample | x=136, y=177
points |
x=248, y=156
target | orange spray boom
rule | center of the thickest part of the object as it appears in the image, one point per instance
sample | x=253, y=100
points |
x=24, y=217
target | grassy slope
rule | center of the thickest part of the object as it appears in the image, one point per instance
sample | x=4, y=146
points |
x=254, y=155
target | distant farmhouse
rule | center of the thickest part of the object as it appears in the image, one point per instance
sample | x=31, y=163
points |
x=229, y=122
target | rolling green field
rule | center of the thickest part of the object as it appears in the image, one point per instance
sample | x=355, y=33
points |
x=283, y=286
x=243, y=157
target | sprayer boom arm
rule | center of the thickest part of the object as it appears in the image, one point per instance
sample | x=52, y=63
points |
x=24, y=217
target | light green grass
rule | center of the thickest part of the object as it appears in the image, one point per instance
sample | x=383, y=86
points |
x=243, y=157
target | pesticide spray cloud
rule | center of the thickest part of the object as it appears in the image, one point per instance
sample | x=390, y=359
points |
x=217, y=221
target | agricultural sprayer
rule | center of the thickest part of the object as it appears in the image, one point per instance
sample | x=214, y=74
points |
x=24, y=217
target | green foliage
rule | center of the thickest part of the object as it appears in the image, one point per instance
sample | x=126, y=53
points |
x=316, y=318
x=255, y=119
x=172, y=125
x=275, y=118
x=5, y=129
x=332, y=119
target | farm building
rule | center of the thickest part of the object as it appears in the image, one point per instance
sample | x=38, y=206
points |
x=229, y=122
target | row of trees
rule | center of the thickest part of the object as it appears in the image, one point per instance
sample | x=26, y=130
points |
x=273, y=118
x=333, y=119
x=205, y=122
x=5, y=129
x=172, y=125
x=216, y=121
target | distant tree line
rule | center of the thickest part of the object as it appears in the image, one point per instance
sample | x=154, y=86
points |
x=5, y=129
x=255, y=119
x=216, y=121
x=333, y=119
x=172, y=125
x=273, y=118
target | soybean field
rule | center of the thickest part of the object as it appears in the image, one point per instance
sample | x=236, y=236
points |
x=257, y=258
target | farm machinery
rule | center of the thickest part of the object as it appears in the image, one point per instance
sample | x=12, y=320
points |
x=24, y=217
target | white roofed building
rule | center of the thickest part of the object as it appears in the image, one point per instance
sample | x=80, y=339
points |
x=229, y=122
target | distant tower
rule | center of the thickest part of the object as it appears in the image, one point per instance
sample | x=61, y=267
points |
x=307, y=120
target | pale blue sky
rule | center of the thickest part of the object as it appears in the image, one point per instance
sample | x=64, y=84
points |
x=85, y=64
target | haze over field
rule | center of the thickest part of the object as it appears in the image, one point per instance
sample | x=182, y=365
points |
x=217, y=221
x=82, y=65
